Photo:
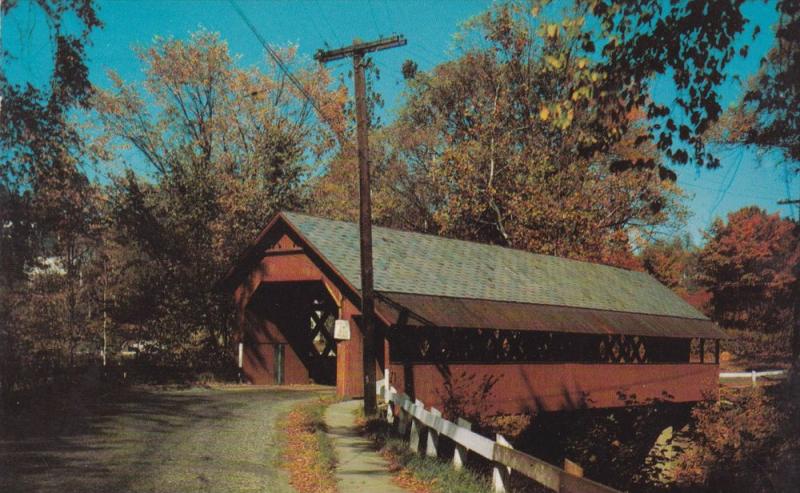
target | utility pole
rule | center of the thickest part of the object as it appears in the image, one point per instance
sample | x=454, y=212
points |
x=357, y=51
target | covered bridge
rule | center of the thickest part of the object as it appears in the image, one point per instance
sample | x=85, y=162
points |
x=503, y=329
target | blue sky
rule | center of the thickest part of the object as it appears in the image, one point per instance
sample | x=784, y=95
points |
x=429, y=26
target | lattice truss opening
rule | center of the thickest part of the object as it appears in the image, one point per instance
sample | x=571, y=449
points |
x=321, y=321
x=492, y=346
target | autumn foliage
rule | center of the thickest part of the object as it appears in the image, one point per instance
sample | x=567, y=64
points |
x=747, y=265
x=747, y=441
x=509, y=144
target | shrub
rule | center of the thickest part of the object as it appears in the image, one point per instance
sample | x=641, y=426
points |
x=756, y=349
x=748, y=441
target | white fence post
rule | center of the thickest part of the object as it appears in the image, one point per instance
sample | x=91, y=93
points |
x=501, y=473
x=460, y=452
x=387, y=397
x=402, y=421
x=499, y=451
x=416, y=428
x=432, y=448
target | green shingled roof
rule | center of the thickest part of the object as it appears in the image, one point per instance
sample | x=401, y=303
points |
x=415, y=263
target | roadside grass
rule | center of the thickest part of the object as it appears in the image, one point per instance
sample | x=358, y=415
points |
x=419, y=473
x=309, y=456
x=423, y=474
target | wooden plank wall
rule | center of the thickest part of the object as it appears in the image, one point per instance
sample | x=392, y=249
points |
x=532, y=387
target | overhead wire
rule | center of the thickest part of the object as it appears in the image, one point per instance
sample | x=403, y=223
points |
x=787, y=185
x=728, y=185
x=378, y=31
x=413, y=47
x=750, y=186
x=757, y=189
x=314, y=24
x=735, y=194
x=337, y=66
x=328, y=24
x=281, y=65
x=418, y=48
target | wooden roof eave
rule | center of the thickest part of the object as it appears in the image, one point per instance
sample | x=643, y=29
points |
x=409, y=310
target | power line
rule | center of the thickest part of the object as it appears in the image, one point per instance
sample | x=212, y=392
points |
x=727, y=186
x=419, y=47
x=717, y=185
x=314, y=23
x=789, y=202
x=736, y=194
x=328, y=24
x=388, y=13
x=276, y=58
x=374, y=21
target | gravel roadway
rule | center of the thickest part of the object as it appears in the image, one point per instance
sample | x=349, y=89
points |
x=147, y=440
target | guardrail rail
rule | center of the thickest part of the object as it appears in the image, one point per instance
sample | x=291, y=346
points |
x=752, y=375
x=412, y=413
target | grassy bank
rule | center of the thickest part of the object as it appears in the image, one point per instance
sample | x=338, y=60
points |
x=423, y=474
x=419, y=473
x=309, y=456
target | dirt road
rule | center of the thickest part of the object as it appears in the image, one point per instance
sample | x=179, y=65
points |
x=197, y=440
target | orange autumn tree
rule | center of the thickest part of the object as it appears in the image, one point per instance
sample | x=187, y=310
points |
x=219, y=148
x=747, y=265
x=674, y=263
x=507, y=144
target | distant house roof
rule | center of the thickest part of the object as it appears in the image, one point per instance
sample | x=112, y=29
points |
x=445, y=278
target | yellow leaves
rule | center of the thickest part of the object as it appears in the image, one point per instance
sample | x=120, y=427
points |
x=582, y=62
x=544, y=113
x=581, y=92
x=535, y=11
x=562, y=114
x=553, y=61
x=552, y=30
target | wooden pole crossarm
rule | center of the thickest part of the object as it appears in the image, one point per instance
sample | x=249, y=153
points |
x=359, y=49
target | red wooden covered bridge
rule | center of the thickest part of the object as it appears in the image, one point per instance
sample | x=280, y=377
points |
x=508, y=330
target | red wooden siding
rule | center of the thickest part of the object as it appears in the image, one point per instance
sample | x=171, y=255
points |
x=286, y=266
x=521, y=388
x=260, y=338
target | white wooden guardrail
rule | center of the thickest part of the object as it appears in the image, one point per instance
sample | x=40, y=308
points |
x=753, y=375
x=499, y=451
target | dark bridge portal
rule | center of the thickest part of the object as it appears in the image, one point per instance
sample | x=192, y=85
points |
x=299, y=315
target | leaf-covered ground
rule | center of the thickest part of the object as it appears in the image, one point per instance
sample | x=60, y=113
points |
x=309, y=455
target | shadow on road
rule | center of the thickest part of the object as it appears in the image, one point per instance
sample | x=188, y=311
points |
x=100, y=440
